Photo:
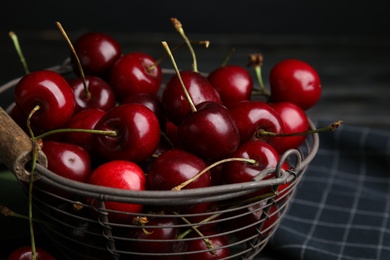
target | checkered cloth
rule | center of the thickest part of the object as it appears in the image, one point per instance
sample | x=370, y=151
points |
x=341, y=208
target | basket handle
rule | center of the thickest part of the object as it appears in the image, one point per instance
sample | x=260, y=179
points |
x=16, y=147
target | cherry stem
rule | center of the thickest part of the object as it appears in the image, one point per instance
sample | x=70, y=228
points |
x=204, y=43
x=112, y=133
x=192, y=105
x=86, y=90
x=5, y=211
x=15, y=40
x=35, y=109
x=179, y=27
x=230, y=54
x=209, y=244
x=332, y=127
x=256, y=61
x=182, y=185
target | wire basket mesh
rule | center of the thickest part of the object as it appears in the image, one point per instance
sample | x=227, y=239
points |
x=80, y=227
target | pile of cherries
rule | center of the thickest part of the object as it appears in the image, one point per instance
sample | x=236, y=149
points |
x=152, y=135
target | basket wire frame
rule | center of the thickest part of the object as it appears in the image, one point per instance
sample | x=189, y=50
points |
x=82, y=230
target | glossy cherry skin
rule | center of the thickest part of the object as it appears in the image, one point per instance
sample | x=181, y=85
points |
x=217, y=240
x=250, y=116
x=233, y=83
x=85, y=119
x=52, y=92
x=66, y=160
x=157, y=236
x=124, y=175
x=138, y=133
x=210, y=132
x=101, y=94
x=131, y=75
x=97, y=53
x=264, y=155
x=25, y=253
x=174, y=167
x=295, y=81
x=176, y=104
x=151, y=101
x=295, y=120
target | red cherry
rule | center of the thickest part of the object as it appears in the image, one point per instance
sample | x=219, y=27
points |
x=237, y=172
x=85, y=119
x=233, y=83
x=101, y=95
x=157, y=236
x=97, y=53
x=67, y=160
x=295, y=81
x=175, y=102
x=251, y=116
x=174, y=167
x=135, y=73
x=210, y=132
x=52, y=92
x=151, y=101
x=122, y=175
x=217, y=241
x=25, y=253
x=295, y=121
x=138, y=133
x=202, y=212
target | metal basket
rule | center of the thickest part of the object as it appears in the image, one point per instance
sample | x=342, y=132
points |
x=82, y=230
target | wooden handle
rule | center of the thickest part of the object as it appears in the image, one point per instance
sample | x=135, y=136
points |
x=15, y=147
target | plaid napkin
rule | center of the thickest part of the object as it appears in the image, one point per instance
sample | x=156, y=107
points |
x=341, y=208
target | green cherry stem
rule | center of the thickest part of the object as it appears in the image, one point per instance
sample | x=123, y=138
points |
x=332, y=127
x=256, y=61
x=207, y=241
x=182, y=185
x=204, y=43
x=188, y=97
x=86, y=89
x=179, y=27
x=15, y=40
x=226, y=60
x=78, y=130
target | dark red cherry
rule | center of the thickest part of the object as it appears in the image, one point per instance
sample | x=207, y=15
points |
x=158, y=237
x=135, y=73
x=138, y=133
x=174, y=167
x=175, y=102
x=217, y=250
x=25, y=253
x=250, y=116
x=151, y=101
x=85, y=119
x=100, y=94
x=295, y=120
x=295, y=81
x=51, y=92
x=97, y=53
x=233, y=83
x=210, y=132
